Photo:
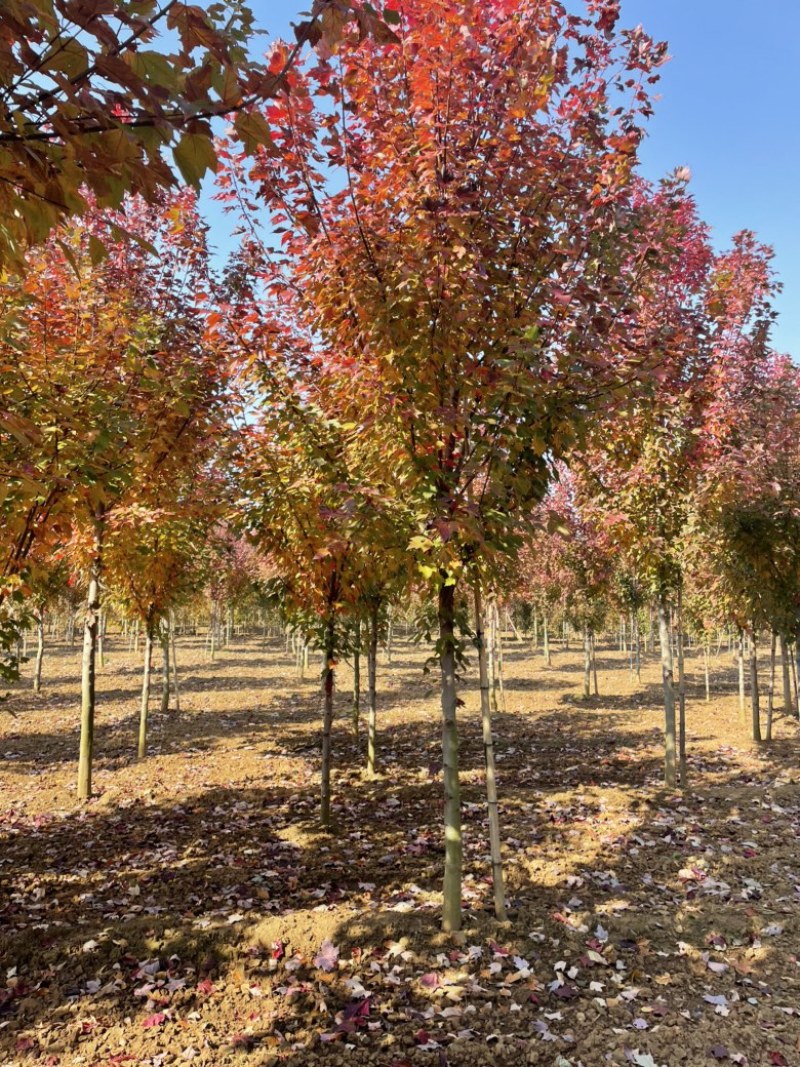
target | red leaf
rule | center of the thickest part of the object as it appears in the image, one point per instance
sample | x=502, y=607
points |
x=156, y=1019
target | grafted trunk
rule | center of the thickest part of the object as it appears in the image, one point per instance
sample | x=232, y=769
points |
x=488, y=754
x=754, y=699
x=37, y=667
x=328, y=669
x=453, y=845
x=372, y=689
x=90, y=627
x=144, y=711
x=667, y=677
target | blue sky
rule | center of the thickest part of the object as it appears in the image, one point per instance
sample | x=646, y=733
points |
x=728, y=110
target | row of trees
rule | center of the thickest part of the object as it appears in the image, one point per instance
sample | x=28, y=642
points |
x=452, y=287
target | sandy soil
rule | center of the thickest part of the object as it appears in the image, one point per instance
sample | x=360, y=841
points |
x=193, y=911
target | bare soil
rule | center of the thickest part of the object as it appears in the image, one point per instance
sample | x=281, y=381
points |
x=194, y=912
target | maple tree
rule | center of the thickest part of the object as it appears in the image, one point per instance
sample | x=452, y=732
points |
x=94, y=95
x=119, y=387
x=639, y=470
x=476, y=259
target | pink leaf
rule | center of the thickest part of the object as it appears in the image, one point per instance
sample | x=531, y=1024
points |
x=327, y=956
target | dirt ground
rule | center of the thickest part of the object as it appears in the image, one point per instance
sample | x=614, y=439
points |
x=193, y=912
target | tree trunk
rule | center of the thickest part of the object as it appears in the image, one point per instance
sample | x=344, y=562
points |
x=491, y=647
x=101, y=640
x=212, y=633
x=498, y=635
x=681, y=698
x=90, y=628
x=547, y=658
x=706, y=656
x=357, y=680
x=453, y=845
x=665, y=638
x=754, y=702
x=372, y=689
x=37, y=668
x=740, y=660
x=638, y=649
x=389, y=636
x=328, y=669
x=788, y=706
x=587, y=662
x=141, y=751
x=771, y=696
x=594, y=664
x=174, y=642
x=488, y=753
x=164, y=668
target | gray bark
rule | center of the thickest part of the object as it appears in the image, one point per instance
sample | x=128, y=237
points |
x=668, y=682
x=453, y=844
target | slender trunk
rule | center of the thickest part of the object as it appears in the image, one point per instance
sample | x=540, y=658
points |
x=788, y=706
x=566, y=637
x=389, y=636
x=594, y=665
x=771, y=695
x=681, y=697
x=740, y=660
x=638, y=649
x=101, y=640
x=141, y=751
x=174, y=643
x=499, y=657
x=164, y=668
x=37, y=668
x=488, y=753
x=706, y=656
x=90, y=627
x=372, y=688
x=492, y=663
x=667, y=677
x=587, y=662
x=357, y=679
x=453, y=845
x=630, y=640
x=547, y=658
x=795, y=677
x=535, y=631
x=754, y=702
x=329, y=666
x=212, y=633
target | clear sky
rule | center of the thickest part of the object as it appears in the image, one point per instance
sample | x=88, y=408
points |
x=729, y=110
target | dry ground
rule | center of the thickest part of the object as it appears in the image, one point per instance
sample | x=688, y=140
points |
x=194, y=913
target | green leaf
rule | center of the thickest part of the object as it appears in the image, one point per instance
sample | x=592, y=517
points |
x=194, y=155
x=97, y=250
